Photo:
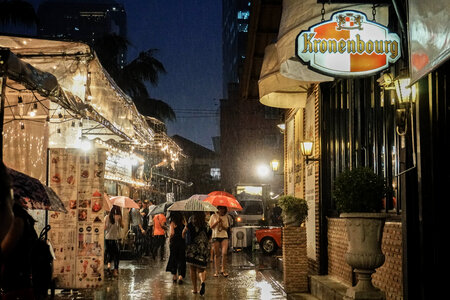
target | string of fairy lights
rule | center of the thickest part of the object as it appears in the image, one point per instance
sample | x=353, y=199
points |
x=30, y=108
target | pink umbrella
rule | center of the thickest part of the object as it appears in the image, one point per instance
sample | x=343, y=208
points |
x=107, y=202
x=123, y=201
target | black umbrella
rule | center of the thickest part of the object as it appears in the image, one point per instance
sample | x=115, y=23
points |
x=32, y=194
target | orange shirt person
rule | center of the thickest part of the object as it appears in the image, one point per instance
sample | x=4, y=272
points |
x=159, y=235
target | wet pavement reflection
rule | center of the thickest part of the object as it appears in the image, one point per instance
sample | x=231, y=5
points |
x=251, y=276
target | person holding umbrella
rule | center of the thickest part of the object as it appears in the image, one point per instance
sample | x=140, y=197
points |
x=177, y=246
x=219, y=223
x=197, y=235
x=113, y=224
x=15, y=248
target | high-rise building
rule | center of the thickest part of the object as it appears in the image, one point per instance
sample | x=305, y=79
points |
x=81, y=20
x=235, y=18
x=249, y=137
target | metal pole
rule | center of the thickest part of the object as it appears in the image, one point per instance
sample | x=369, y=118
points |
x=2, y=111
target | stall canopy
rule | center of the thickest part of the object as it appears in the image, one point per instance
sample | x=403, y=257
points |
x=71, y=76
x=284, y=79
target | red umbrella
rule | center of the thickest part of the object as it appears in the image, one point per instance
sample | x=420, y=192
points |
x=221, y=200
x=221, y=193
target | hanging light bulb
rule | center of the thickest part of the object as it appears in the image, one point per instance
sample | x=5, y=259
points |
x=33, y=112
x=20, y=104
x=22, y=126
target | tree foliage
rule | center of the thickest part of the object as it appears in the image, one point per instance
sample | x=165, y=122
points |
x=132, y=77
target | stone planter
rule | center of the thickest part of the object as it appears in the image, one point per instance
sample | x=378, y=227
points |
x=291, y=220
x=364, y=255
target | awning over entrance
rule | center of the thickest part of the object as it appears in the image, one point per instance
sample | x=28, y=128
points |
x=276, y=90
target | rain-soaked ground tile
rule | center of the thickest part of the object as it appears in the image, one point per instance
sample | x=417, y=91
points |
x=147, y=279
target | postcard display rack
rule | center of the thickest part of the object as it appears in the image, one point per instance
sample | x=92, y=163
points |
x=77, y=237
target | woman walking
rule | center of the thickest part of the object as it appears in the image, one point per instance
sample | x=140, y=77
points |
x=219, y=224
x=197, y=234
x=177, y=247
x=113, y=224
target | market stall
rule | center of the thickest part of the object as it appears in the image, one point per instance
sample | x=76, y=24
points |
x=66, y=123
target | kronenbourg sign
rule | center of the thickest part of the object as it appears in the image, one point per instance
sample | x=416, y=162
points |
x=348, y=45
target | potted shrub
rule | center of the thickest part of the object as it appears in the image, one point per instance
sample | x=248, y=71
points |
x=294, y=210
x=358, y=196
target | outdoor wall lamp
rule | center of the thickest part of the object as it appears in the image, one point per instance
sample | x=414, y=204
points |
x=281, y=127
x=275, y=165
x=403, y=89
x=307, y=148
x=405, y=92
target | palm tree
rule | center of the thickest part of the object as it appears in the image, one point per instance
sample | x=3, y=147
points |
x=132, y=77
x=17, y=12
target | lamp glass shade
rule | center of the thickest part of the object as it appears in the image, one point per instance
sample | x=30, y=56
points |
x=404, y=91
x=306, y=147
x=275, y=164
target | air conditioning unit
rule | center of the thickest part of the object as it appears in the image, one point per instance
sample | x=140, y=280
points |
x=241, y=237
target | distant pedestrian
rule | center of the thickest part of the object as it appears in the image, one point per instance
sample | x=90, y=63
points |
x=149, y=230
x=159, y=235
x=220, y=223
x=177, y=258
x=136, y=221
x=113, y=224
x=197, y=235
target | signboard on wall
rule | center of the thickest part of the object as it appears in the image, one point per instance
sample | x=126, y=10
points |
x=348, y=45
x=78, y=236
x=290, y=157
x=310, y=180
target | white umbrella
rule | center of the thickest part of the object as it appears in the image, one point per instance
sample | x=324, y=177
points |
x=192, y=205
x=123, y=201
x=199, y=197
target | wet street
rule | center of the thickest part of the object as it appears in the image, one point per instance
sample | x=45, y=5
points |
x=251, y=277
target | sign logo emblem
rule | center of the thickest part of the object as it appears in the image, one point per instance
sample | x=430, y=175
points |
x=348, y=45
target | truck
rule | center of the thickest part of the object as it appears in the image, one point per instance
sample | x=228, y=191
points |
x=256, y=209
x=254, y=199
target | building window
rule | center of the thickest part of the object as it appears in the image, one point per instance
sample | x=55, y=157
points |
x=243, y=15
x=243, y=28
x=215, y=173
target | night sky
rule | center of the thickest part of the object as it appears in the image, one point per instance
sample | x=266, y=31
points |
x=188, y=34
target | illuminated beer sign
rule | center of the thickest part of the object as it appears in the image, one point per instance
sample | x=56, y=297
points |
x=348, y=45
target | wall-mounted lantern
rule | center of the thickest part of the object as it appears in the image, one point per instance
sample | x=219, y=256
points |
x=307, y=148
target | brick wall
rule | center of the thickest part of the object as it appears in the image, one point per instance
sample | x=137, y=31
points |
x=388, y=277
x=295, y=262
